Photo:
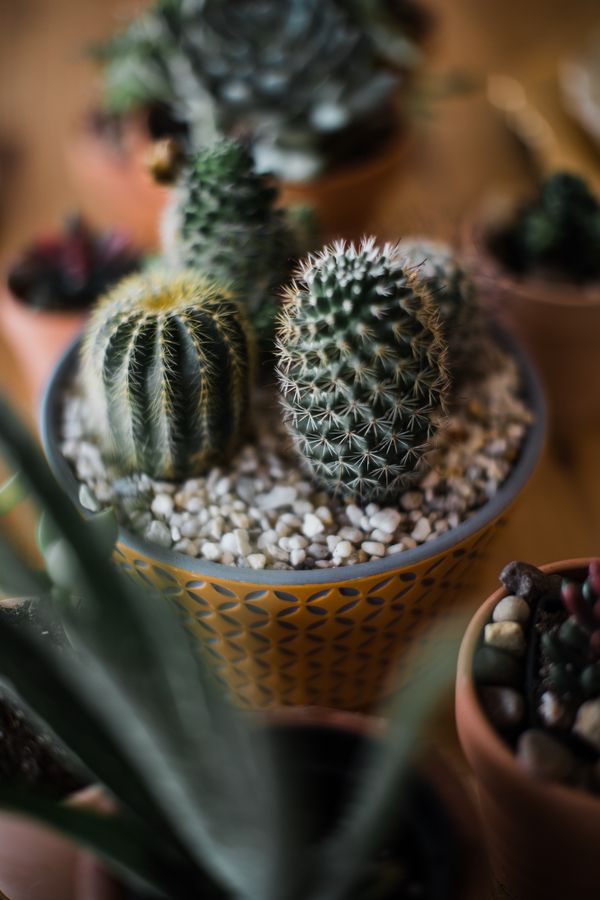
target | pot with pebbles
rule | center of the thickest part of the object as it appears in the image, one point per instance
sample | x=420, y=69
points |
x=538, y=268
x=307, y=550
x=528, y=715
x=50, y=289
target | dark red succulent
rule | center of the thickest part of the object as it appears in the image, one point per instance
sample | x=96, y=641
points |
x=70, y=270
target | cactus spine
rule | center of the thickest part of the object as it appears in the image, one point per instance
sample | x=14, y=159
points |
x=361, y=367
x=223, y=223
x=166, y=367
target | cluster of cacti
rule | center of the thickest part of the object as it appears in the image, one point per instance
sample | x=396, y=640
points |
x=70, y=270
x=559, y=231
x=573, y=647
x=309, y=81
x=435, y=264
x=167, y=363
x=223, y=222
x=362, y=369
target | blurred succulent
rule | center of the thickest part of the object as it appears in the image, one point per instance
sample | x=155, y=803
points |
x=362, y=369
x=573, y=647
x=222, y=222
x=167, y=367
x=559, y=231
x=69, y=271
x=205, y=803
x=437, y=268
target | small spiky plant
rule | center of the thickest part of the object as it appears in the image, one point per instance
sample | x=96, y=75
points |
x=223, y=222
x=573, y=648
x=557, y=232
x=70, y=270
x=166, y=366
x=362, y=369
x=205, y=803
x=453, y=292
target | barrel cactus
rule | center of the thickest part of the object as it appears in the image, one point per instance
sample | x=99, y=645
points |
x=436, y=266
x=362, y=369
x=166, y=364
x=223, y=223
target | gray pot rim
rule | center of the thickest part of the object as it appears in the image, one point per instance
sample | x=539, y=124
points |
x=518, y=477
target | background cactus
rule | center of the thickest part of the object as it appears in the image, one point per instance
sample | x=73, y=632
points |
x=166, y=366
x=223, y=223
x=453, y=292
x=558, y=231
x=573, y=647
x=362, y=369
x=69, y=271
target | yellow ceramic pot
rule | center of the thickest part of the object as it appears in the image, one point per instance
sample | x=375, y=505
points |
x=321, y=637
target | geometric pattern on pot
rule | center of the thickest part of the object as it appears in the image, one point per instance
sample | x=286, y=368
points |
x=328, y=644
x=325, y=636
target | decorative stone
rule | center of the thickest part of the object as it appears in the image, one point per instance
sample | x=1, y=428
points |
x=511, y=609
x=275, y=499
x=506, y=636
x=373, y=548
x=297, y=557
x=158, y=533
x=552, y=711
x=504, y=706
x=312, y=525
x=495, y=667
x=587, y=722
x=211, y=551
x=243, y=545
x=257, y=560
x=422, y=529
x=343, y=550
x=527, y=581
x=387, y=520
x=544, y=757
x=88, y=499
x=162, y=505
x=411, y=500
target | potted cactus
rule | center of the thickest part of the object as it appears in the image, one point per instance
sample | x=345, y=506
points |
x=204, y=799
x=528, y=708
x=50, y=289
x=317, y=87
x=538, y=269
x=307, y=532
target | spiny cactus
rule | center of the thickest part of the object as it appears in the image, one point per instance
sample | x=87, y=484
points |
x=69, y=271
x=362, y=369
x=558, y=231
x=453, y=292
x=223, y=223
x=573, y=648
x=166, y=365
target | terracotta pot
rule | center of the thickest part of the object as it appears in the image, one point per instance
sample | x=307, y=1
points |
x=36, y=338
x=346, y=199
x=326, y=637
x=542, y=837
x=37, y=865
x=113, y=185
x=558, y=322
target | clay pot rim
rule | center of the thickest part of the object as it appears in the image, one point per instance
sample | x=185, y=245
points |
x=494, y=747
x=536, y=288
x=516, y=480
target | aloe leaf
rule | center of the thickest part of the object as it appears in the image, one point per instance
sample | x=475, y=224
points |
x=12, y=492
x=383, y=789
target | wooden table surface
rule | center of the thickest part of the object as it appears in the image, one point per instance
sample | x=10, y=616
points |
x=463, y=150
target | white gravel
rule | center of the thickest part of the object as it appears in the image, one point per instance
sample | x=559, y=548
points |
x=263, y=511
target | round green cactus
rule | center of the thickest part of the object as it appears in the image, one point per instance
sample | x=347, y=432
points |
x=166, y=364
x=223, y=223
x=453, y=292
x=362, y=369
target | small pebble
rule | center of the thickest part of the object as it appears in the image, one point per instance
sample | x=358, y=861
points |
x=511, y=609
x=495, y=667
x=297, y=557
x=162, y=505
x=312, y=525
x=275, y=499
x=343, y=550
x=587, y=722
x=158, y=533
x=543, y=757
x=527, y=581
x=506, y=636
x=373, y=548
x=422, y=529
x=504, y=705
x=257, y=560
x=211, y=551
x=552, y=711
x=386, y=520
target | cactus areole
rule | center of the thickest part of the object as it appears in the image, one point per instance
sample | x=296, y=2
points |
x=362, y=369
x=166, y=368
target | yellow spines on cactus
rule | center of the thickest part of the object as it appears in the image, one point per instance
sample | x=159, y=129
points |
x=167, y=368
